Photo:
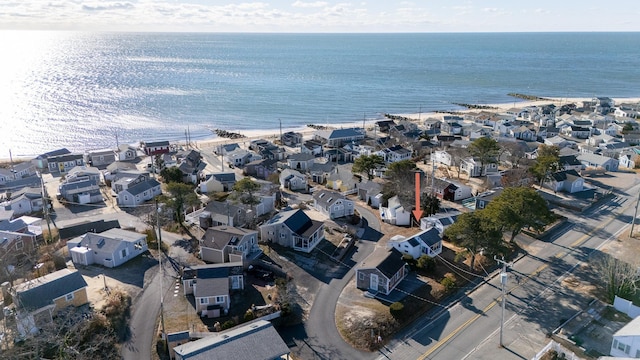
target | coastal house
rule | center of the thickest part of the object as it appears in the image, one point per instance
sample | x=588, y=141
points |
x=222, y=213
x=139, y=193
x=112, y=171
x=24, y=201
x=64, y=163
x=559, y=141
x=42, y=161
x=567, y=180
x=127, y=179
x=153, y=148
x=569, y=162
x=598, y=161
x=240, y=157
x=395, y=153
x=332, y=204
x=291, y=138
x=253, y=340
x=384, y=126
x=448, y=190
x=577, y=132
x=626, y=341
x=384, y=275
x=82, y=185
x=218, y=182
x=223, y=244
x=440, y=221
x=342, y=179
x=394, y=213
x=109, y=248
x=339, y=137
x=126, y=152
x=368, y=192
x=211, y=285
x=301, y=161
x=293, y=180
x=294, y=229
x=261, y=169
x=311, y=147
x=426, y=242
x=474, y=168
x=225, y=149
x=16, y=172
x=320, y=172
x=480, y=201
x=191, y=165
x=629, y=158
x=18, y=238
x=442, y=157
x=99, y=158
x=39, y=299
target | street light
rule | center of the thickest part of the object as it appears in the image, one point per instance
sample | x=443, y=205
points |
x=503, y=280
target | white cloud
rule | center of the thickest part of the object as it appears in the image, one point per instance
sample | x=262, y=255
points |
x=315, y=4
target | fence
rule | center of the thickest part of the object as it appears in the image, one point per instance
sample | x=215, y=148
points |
x=554, y=346
x=626, y=307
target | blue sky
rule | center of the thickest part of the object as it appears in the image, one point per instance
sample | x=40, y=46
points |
x=321, y=15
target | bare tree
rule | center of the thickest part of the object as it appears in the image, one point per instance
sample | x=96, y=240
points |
x=618, y=277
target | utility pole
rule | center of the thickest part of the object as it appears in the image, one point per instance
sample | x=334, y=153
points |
x=45, y=205
x=164, y=334
x=503, y=280
x=635, y=214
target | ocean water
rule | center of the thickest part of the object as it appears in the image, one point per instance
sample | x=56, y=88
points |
x=81, y=90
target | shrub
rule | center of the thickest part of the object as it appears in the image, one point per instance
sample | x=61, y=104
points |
x=249, y=315
x=449, y=282
x=426, y=263
x=396, y=309
x=59, y=262
x=228, y=324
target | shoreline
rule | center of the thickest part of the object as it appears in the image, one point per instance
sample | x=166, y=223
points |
x=214, y=140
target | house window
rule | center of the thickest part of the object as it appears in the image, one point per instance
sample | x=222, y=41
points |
x=282, y=235
x=204, y=300
x=124, y=253
x=19, y=244
x=69, y=297
x=219, y=299
x=126, y=198
x=360, y=276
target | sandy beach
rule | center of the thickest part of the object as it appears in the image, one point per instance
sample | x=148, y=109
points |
x=272, y=134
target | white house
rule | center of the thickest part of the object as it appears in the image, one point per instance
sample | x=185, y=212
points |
x=394, y=213
x=426, y=242
x=109, y=248
x=292, y=180
x=626, y=341
x=442, y=157
x=332, y=204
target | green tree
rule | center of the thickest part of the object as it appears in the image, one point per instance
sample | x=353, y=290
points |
x=547, y=162
x=475, y=232
x=519, y=207
x=400, y=180
x=365, y=164
x=628, y=127
x=485, y=150
x=180, y=197
x=171, y=174
x=430, y=204
x=245, y=191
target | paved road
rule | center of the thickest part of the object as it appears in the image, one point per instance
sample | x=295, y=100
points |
x=470, y=328
x=318, y=338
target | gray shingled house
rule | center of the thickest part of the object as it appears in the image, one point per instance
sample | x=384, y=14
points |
x=110, y=248
x=293, y=228
x=384, y=275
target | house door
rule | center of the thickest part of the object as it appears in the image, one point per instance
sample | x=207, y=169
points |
x=373, y=282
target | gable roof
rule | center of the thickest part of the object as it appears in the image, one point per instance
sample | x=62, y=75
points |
x=142, y=187
x=256, y=340
x=217, y=237
x=327, y=197
x=297, y=221
x=429, y=237
x=564, y=175
x=40, y=292
x=106, y=241
x=390, y=265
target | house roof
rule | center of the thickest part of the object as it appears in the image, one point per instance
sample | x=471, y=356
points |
x=564, y=175
x=345, y=133
x=301, y=157
x=212, y=286
x=218, y=237
x=156, y=144
x=106, y=241
x=257, y=341
x=120, y=165
x=225, y=177
x=391, y=264
x=570, y=160
x=594, y=158
x=297, y=221
x=65, y=157
x=40, y=292
x=142, y=187
x=631, y=329
x=429, y=237
x=57, y=152
x=327, y=197
x=212, y=279
x=223, y=208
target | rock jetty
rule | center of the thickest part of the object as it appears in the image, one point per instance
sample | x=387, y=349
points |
x=228, y=134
